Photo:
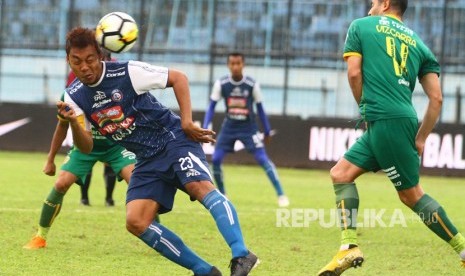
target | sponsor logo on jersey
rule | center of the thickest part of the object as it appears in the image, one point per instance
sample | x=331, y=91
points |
x=236, y=92
x=116, y=74
x=126, y=124
x=101, y=103
x=123, y=129
x=237, y=108
x=75, y=88
x=384, y=21
x=404, y=82
x=104, y=116
x=100, y=95
x=116, y=95
x=237, y=102
x=192, y=172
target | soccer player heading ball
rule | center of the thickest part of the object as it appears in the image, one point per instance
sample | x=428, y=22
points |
x=114, y=97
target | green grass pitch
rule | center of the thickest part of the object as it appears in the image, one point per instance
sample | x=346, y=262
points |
x=94, y=241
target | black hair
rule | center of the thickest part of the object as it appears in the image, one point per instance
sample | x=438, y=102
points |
x=81, y=38
x=401, y=5
x=236, y=54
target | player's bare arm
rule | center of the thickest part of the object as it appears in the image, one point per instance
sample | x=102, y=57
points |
x=81, y=137
x=57, y=140
x=355, y=77
x=432, y=88
x=180, y=84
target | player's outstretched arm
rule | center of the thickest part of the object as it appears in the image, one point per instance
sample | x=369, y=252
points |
x=58, y=137
x=209, y=114
x=82, y=138
x=180, y=84
x=265, y=122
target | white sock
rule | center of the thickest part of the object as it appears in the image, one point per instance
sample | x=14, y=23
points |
x=462, y=255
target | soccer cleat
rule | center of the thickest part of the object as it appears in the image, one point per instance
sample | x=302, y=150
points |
x=85, y=202
x=109, y=202
x=463, y=263
x=283, y=201
x=35, y=243
x=343, y=260
x=241, y=266
x=214, y=272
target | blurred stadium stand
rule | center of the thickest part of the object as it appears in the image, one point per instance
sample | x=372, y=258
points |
x=293, y=47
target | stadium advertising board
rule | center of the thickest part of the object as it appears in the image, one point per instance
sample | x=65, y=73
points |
x=312, y=143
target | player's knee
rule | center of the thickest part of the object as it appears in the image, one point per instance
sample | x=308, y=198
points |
x=199, y=189
x=338, y=175
x=411, y=196
x=136, y=226
x=62, y=186
x=406, y=200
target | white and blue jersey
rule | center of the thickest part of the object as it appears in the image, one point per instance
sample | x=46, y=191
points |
x=239, y=99
x=121, y=108
x=240, y=122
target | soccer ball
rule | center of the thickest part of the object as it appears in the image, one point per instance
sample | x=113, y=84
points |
x=117, y=32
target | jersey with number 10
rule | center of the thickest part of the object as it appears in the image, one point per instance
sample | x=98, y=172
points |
x=393, y=56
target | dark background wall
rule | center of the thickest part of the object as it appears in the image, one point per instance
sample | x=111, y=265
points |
x=312, y=143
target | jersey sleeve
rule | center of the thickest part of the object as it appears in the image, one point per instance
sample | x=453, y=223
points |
x=146, y=77
x=257, y=93
x=430, y=65
x=216, y=91
x=78, y=111
x=353, y=46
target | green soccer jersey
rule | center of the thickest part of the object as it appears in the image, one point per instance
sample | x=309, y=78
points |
x=393, y=56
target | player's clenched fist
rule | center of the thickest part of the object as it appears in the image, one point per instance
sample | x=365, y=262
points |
x=65, y=111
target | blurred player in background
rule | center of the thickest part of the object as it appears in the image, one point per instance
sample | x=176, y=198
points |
x=240, y=93
x=384, y=59
x=114, y=97
x=109, y=175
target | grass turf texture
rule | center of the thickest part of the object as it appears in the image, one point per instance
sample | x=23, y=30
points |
x=94, y=241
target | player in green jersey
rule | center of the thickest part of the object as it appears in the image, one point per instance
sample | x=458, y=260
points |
x=74, y=170
x=384, y=59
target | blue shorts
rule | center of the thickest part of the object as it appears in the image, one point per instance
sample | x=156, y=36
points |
x=159, y=177
x=228, y=137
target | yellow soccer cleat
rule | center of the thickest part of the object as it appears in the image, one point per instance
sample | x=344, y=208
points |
x=343, y=260
x=463, y=263
x=35, y=243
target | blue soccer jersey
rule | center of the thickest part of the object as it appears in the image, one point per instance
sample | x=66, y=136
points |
x=239, y=98
x=120, y=106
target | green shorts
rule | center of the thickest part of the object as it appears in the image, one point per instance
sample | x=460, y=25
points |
x=389, y=145
x=80, y=164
